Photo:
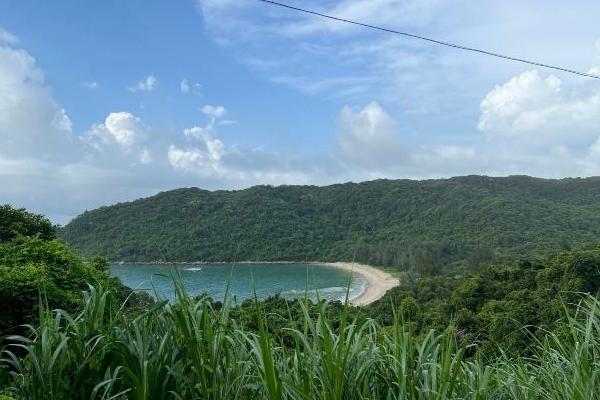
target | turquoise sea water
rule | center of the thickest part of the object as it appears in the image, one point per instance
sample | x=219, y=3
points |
x=288, y=280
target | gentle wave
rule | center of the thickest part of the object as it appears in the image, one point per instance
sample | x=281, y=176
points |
x=328, y=293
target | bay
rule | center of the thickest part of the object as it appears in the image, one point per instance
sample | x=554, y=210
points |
x=290, y=280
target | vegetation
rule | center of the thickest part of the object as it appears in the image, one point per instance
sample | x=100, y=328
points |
x=35, y=266
x=508, y=307
x=455, y=224
x=502, y=306
x=190, y=350
x=524, y=329
x=18, y=222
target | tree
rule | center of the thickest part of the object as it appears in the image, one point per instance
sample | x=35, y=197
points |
x=18, y=222
x=36, y=267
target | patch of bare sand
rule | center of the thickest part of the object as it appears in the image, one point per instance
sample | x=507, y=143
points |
x=377, y=281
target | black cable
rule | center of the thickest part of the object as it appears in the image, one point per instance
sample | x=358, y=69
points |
x=456, y=46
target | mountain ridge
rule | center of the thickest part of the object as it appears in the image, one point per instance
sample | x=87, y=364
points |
x=426, y=224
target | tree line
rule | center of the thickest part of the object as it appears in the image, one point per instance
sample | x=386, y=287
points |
x=429, y=226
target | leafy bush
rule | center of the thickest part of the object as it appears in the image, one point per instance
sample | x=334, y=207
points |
x=18, y=222
x=36, y=268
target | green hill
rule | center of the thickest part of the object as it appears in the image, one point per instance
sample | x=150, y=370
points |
x=425, y=225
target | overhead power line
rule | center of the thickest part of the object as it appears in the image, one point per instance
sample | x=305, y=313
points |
x=440, y=42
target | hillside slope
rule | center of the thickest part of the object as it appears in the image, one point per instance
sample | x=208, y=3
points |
x=420, y=224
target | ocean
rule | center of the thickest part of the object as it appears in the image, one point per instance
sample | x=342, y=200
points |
x=289, y=280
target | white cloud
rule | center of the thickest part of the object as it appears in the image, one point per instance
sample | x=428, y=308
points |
x=214, y=111
x=8, y=38
x=203, y=160
x=123, y=133
x=208, y=157
x=542, y=111
x=369, y=138
x=146, y=85
x=205, y=156
x=32, y=124
x=122, y=128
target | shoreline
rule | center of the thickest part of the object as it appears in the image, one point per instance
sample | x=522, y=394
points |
x=377, y=281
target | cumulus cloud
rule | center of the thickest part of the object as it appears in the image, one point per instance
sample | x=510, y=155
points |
x=370, y=141
x=205, y=156
x=542, y=111
x=369, y=137
x=123, y=127
x=32, y=124
x=208, y=157
x=121, y=131
x=146, y=85
x=202, y=159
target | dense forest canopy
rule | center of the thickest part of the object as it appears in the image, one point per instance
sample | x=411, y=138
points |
x=37, y=269
x=424, y=225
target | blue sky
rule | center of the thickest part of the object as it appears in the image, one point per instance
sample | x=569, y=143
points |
x=109, y=101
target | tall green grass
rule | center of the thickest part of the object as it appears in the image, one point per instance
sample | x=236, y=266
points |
x=189, y=350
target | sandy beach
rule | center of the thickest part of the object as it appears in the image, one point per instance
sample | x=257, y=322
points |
x=378, y=281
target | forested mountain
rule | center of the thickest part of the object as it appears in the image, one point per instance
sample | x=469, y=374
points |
x=425, y=225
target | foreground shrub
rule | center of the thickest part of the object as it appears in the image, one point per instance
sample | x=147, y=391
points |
x=190, y=350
